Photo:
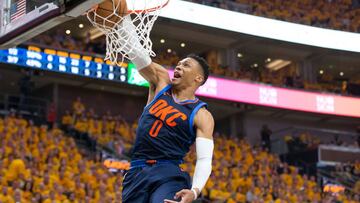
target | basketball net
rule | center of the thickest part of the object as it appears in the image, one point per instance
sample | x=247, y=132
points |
x=120, y=37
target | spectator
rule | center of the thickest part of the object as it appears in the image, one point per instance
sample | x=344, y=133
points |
x=265, y=137
x=78, y=107
x=51, y=115
x=341, y=15
x=67, y=119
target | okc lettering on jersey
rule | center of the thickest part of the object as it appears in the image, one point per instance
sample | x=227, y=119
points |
x=167, y=113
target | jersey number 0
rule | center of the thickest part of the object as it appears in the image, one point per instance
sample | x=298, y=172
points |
x=158, y=124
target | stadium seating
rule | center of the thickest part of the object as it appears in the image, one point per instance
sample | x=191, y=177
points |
x=332, y=14
x=245, y=173
x=107, y=130
x=241, y=172
x=41, y=165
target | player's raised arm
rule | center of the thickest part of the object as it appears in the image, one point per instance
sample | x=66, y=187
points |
x=154, y=73
x=112, y=17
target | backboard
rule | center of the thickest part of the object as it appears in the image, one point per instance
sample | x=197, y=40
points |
x=21, y=20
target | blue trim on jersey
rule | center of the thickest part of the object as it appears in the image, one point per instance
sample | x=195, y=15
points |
x=192, y=116
x=159, y=94
x=185, y=101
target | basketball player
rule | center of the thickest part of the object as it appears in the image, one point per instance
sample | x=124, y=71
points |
x=173, y=119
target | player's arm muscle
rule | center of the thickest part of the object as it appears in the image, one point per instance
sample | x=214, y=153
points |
x=204, y=123
x=157, y=76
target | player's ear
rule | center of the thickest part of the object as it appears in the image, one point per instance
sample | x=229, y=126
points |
x=199, y=78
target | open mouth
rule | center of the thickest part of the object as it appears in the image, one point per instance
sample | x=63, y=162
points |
x=177, y=75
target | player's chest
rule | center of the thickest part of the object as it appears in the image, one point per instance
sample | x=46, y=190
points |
x=169, y=112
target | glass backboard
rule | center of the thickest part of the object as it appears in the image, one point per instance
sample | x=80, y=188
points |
x=21, y=20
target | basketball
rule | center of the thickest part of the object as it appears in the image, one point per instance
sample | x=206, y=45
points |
x=110, y=12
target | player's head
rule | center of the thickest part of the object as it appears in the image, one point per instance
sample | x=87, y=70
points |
x=192, y=70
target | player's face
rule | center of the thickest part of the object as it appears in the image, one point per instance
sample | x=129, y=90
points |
x=187, y=73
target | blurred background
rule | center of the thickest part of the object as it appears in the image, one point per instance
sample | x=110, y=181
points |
x=287, y=113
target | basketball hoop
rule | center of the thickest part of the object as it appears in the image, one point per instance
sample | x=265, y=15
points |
x=142, y=13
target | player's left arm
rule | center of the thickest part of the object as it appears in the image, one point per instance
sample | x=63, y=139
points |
x=204, y=123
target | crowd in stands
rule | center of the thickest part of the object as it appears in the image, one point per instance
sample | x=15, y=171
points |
x=107, y=130
x=307, y=141
x=59, y=40
x=302, y=142
x=241, y=172
x=40, y=165
x=245, y=173
x=333, y=14
x=349, y=172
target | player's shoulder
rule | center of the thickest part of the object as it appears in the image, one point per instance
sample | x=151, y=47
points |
x=204, y=116
x=204, y=111
x=204, y=122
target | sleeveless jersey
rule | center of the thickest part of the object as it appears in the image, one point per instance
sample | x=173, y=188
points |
x=166, y=128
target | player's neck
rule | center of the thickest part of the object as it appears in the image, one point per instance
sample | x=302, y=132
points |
x=183, y=94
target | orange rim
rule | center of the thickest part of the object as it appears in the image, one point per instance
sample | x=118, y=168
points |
x=149, y=10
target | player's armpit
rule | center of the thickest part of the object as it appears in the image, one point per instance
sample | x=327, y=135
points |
x=156, y=75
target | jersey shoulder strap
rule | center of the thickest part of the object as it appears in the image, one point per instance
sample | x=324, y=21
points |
x=193, y=114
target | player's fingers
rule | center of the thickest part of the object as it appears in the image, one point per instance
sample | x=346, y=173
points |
x=169, y=201
x=179, y=194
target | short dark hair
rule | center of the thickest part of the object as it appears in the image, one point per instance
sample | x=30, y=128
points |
x=204, y=65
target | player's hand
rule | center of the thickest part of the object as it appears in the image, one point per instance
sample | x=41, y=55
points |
x=186, y=196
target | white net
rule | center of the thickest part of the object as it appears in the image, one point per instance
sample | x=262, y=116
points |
x=122, y=37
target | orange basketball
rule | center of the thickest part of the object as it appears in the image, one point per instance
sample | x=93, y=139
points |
x=111, y=10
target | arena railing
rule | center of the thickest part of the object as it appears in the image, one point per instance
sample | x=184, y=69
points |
x=325, y=176
x=27, y=106
x=279, y=144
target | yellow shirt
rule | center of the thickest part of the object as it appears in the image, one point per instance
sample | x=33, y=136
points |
x=60, y=197
x=78, y=107
x=81, y=126
x=51, y=201
x=110, y=126
x=240, y=197
x=69, y=201
x=230, y=200
x=357, y=187
x=215, y=194
x=23, y=123
x=16, y=167
x=27, y=195
x=6, y=198
x=67, y=120
x=80, y=193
